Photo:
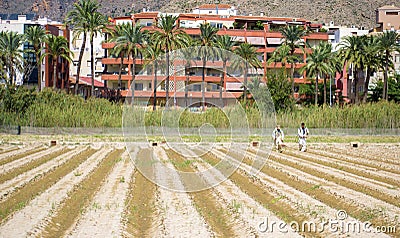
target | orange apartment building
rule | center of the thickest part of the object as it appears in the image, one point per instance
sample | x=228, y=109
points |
x=260, y=31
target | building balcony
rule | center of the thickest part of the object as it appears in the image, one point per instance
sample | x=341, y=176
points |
x=118, y=61
x=108, y=45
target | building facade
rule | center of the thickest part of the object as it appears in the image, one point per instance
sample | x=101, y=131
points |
x=260, y=31
x=20, y=23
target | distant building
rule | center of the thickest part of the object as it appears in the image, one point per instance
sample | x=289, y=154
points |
x=20, y=23
x=344, y=83
x=260, y=31
x=388, y=18
x=85, y=72
x=215, y=9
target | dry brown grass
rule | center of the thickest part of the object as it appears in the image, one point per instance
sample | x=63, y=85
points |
x=204, y=201
x=31, y=165
x=21, y=197
x=140, y=205
x=80, y=198
x=21, y=155
x=9, y=150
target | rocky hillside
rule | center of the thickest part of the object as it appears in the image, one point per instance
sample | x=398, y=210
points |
x=345, y=12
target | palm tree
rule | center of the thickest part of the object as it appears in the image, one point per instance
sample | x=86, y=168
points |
x=374, y=60
x=225, y=46
x=248, y=54
x=118, y=51
x=152, y=55
x=351, y=51
x=388, y=43
x=12, y=54
x=79, y=20
x=292, y=38
x=169, y=37
x=318, y=64
x=207, y=40
x=35, y=36
x=56, y=47
x=132, y=39
x=189, y=55
x=96, y=23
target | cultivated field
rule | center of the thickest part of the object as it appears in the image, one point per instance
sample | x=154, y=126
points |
x=92, y=189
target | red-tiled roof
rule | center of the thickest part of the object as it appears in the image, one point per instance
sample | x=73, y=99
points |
x=84, y=80
x=214, y=6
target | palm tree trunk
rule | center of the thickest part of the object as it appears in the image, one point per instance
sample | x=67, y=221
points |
x=78, y=69
x=246, y=69
x=355, y=86
x=133, y=78
x=385, y=77
x=155, y=86
x=187, y=83
x=92, y=64
x=316, y=90
x=120, y=72
x=120, y=77
x=292, y=77
x=222, y=82
x=167, y=79
x=39, y=66
x=203, y=89
x=367, y=78
x=54, y=73
x=324, y=89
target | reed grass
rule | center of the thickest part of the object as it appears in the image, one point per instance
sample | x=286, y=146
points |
x=54, y=109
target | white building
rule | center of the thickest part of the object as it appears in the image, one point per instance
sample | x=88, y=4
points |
x=86, y=60
x=20, y=23
x=216, y=9
x=337, y=33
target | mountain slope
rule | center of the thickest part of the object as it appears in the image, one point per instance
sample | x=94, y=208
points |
x=344, y=12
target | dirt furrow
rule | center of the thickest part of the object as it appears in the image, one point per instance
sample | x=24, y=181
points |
x=243, y=208
x=140, y=211
x=387, y=178
x=103, y=217
x=177, y=214
x=65, y=217
x=5, y=168
x=32, y=218
x=367, y=152
x=12, y=185
x=373, y=164
x=383, y=192
x=16, y=155
x=360, y=205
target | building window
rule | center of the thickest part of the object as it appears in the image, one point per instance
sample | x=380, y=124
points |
x=149, y=86
x=139, y=86
x=392, y=13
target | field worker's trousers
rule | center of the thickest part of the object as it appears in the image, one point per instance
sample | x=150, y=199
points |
x=302, y=144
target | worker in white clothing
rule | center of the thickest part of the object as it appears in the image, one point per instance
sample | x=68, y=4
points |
x=278, y=136
x=302, y=133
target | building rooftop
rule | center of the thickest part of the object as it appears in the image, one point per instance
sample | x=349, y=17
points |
x=214, y=6
x=13, y=16
x=389, y=7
